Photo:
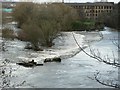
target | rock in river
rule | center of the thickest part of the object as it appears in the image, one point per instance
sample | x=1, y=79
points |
x=55, y=59
x=29, y=64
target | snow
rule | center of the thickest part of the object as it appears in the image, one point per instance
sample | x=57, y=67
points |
x=65, y=46
x=74, y=72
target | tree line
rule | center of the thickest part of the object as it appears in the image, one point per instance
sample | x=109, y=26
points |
x=111, y=19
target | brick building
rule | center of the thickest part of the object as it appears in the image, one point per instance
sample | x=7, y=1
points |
x=92, y=10
x=86, y=10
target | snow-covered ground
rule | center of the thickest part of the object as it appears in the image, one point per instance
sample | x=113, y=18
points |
x=75, y=72
x=65, y=46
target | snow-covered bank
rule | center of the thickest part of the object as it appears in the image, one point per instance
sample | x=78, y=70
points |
x=75, y=72
x=65, y=47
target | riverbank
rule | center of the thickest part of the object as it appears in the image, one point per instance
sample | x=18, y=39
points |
x=65, y=47
x=75, y=72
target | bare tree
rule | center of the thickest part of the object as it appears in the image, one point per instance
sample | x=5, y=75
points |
x=22, y=12
x=109, y=83
x=107, y=60
x=45, y=21
x=116, y=43
x=97, y=56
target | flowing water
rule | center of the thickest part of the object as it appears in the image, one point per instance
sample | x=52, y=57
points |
x=75, y=72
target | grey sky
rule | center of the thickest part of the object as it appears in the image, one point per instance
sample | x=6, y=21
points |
x=116, y=1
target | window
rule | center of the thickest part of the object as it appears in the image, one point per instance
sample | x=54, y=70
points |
x=110, y=7
x=105, y=7
x=101, y=7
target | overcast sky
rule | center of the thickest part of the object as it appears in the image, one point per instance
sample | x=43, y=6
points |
x=116, y=1
x=91, y=0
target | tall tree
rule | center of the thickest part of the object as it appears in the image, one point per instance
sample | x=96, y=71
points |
x=42, y=23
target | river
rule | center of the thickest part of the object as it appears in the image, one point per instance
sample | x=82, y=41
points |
x=75, y=72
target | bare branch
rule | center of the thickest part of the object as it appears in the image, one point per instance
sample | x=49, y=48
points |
x=111, y=84
x=97, y=56
x=116, y=43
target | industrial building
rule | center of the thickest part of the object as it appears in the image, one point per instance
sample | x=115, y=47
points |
x=86, y=10
x=92, y=10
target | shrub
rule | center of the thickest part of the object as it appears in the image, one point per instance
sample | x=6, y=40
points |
x=8, y=33
x=83, y=25
x=22, y=12
x=43, y=22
